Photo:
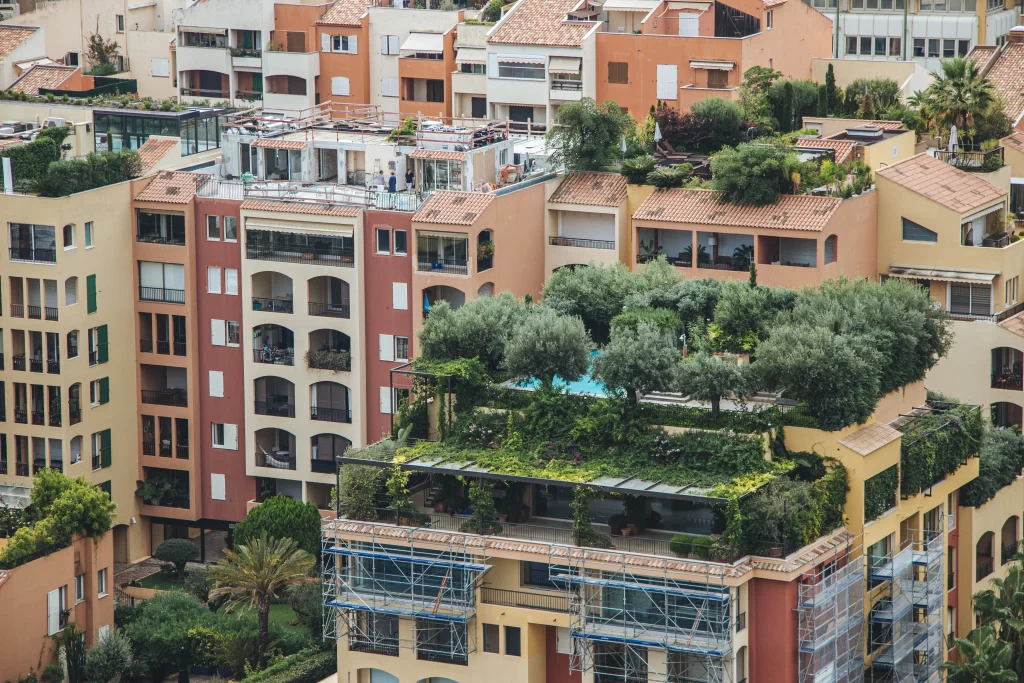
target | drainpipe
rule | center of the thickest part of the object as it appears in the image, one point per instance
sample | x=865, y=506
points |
x=836, y=52
x=906, y=9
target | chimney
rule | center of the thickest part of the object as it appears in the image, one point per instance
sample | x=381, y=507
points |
x=1016, y=35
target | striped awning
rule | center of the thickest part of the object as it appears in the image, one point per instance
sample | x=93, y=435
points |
x=976, y=277
x=277, y=143
x=437, y=154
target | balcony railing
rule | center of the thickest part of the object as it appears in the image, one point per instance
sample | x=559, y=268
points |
x=38, y=464
x=18, y=361
x=156, y=237
x=72, y=351
x=972, y=160
x=342, y=310
x=251, y=95
x=35, y=312
x=1007, y=381
x=277, y=460
x=1009, y=550
x=572, y=86
x=260, y=303
x=323, y=466
x=96, y=460
x=50, y=312
x=484, y=263
x=274, y=408
x=21, y=469
x=17, y=311
x=582, y=243
x=74, y=413
x=146, y=345
x=329, y=359
x=330, y=414
x=984, y=567
x=163, y=347
x=33, y=254
x=166, y=397
x=94, y=354
x=53, y=366
x=35, y=364
x=208, y=94
x=21, y=416
x=344, y=258
x=378, y=648
x=446, y=266
x=148, y=447
x=181, y=451
x=274, y=356
x=55, y=418
x=38, y=417
x=180, y=348
x=168, y=296
x=723, y=265
x=551, y=602
x=165, y=448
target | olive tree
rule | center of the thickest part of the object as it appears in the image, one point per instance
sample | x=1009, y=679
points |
x=638, y=360
x=711, y=378
x=546, y=345
x=478, y=329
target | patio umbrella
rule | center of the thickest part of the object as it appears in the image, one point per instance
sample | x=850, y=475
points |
x=657, y=133
x=623, y=146
x=952, y=138
x=426, y=303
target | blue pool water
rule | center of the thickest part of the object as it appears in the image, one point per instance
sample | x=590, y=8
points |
x=585, y=385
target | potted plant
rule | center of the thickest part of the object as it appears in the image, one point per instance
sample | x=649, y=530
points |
x=485, y=250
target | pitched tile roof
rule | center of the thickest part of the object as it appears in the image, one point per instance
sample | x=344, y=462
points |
x=842, y=148
x=40, y=76
x=593, y=189
x=982, y=54
x=344, y=13
x=312, y=208
x=11, y=38
x=453, y=208
x=703, y=207
x=884, y=125
x=942, y=183
x=8, y=142
x=869, y=439
x=541, y=22
x=173, y=187
x=438, y=154
x=1006, y=74
x=1014, y=140
x=153, y=150
x=278, y=143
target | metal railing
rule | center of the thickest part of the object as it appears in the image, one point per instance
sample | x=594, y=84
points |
x=165, y=448
x=35, y=312
x=18, y=362
x=181, y=451
x=384, y=648
x=330, y=414
x=35, y=364
x=1003, y=381
x=446, y=266
x=50, y=312
x=166, y=397
x=72, y=351
x=342, y=310
x=168, y=296
x=53, y=366
x=344, y=258
x=274, y=357
x=571, y=86
x=278, y=461
x=484, y=263
x=274, y=408
x=722, y=266
x=94, y=354
x=21, y=469
x=74, y=413
x=577, y=242
x=21, y=416
x=148, y=447
x=17, y=311
x=38, y=417
x=208, y=94
x=55, y=418
x=180, y=348
x=146, y=345
x=972, y=160
x=260, y=303
x=176, y=240
x=551, y=602
x=993, y=318
x=323, y=466
x=33, y=254
x=251, y=95
x=1009, y=550
x=163, y=347
x=984, y=568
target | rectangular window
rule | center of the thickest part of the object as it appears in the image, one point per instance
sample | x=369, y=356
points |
x=768, y=20
x=101, y=583
x=216, y=384
x=618, y=72
x=233, y=332
x=213, y=228
x=865, y=45
x=512, y=645
x=94, y=393
x=225, y=436
x=948, y=48
x=120, y=23
x=533, y=72
x=401, y=248
x=933, y=47
x=491, y=635
x=851, y=45
x=79, y=588
x=340, y=86
x=389, y=87
x=919, y=47
x=230, y=229
x=718, y=78
x=914, y=232
x=231, y=281
x=668, y=82
x=402, y=347
x=389, y=45
x=435, y=90
x=213, y=280
x=970, y=299
x=385, y=400
x=54, y=607
x=399, y=296
x=88, y=235
x=895, y=47
x=383, y=241
x=963, y=47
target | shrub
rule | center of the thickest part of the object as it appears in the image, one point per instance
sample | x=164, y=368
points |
x=308, y=666
x=638, y=360
x=63, y=178
x=582, y=528
x=479, y=329
x=752, y=174
x=160, y=629
x=199, y=584
x=636, y=169
x=936, y=444
x=360, y=487
x=547, y=345
x=586, y=135
x=492, y=12
x=674, y=176
x=484, y=517
x=53, y=673
x=335, y=361
x=880, y=493
x=308, y=602
x=697, y=547
x=723, y=120
x=1002, y=461
x=282, y=517
x=109, y=658
x=177, y=551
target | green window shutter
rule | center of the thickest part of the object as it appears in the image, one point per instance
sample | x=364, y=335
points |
x=90, y=289
x=106, y=488
x=104, y=390
x=101, y=344
x=105, y=448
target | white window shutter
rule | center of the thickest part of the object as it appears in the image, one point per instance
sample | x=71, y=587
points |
x=160, y=67
x=353, y=47
x=492, y=65
x=384, y=45
x=231, y=437
x=217, y=487
x=217, y=332
x=325, y=42
x=386, y=343
x=339, y=86
x=393, y=45
x=231, y=281
x=52, y=612
x=668, y=82
x=399, y=296
x=213, y=279
x=216, y=384
x=385, y=400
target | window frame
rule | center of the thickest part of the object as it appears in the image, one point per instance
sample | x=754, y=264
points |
x=405, y=240
x=212, y=226
x=386, y=234
x=233, y=222
x=88, y=235
x=101, y=583
x=404, y=341
x=210, y=280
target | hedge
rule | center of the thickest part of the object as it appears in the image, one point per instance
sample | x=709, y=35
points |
x=937, y=444
x=307, y=666
x=880, y=493
x=1002, y=461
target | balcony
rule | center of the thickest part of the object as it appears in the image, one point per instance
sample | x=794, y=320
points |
x=35, y=312
x=272, y=305
x=20, y=416
x=74, y=413
x=52, y=366
x=342, y=310
x=566, y=90
x=160, y=228
x=21, y=469
x=34, y=254
x=162, y=294
x=17, y=311
x=442, y=254
x=582, y=243
x=549, y=602
x=94, y=354
x=205, y=94
x=274, y=356
x=38, y=417
x=275, y=406
x=181, y=451
x=343, y=257
x=149, y=446
x=166, y=397
x=330, y=414
x=35, y=364
x=984, y=567
x=974, y=160
x=275, y=448
x=323, y=466
x=1009, y=550
x=18, y=361
x=249, y=95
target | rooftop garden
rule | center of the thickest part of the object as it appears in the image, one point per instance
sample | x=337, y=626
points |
x=1001, y=463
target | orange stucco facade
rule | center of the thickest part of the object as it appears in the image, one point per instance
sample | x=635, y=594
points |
x=354, y=67
x=410, y=68
x=27, y=647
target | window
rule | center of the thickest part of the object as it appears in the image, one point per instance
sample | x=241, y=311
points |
x=69, y=237
x=71, y=291
x=213, y=279
x=768, y=20
x=914, y=232
x=513, y=69
x=401, y=248
x=919, y=47
x=88, y=235
x=73, y=344
x=94, y=392
x=216, y=384
x=383, y=241
x=385, y=400
x=963, y=47
x=71, y=59
x=399, y=296
x=230, y=229
x=389, y=87
x=36, y=243
x=225, y=436
x=79, y=588
x=347, y=44
x=159, y=67
x=55, y=605
x=435, y=90
x=340, y=86
x=865, y=45
x=830, y=249
x=970, y=299
x=851, y=45
x=471, y=68
x=933, y=47
x=217, y=332
x=231, y=281
x=234, y=336
x=618, y=72
x=948, y=48
x=1011, y=291
x=213, y=228
x=512, y=641
x=389, y=45
x=386, y=347
x=895, y=47
x=718, y=78
x=491, y=636
x=101, y=583
x=120, y=23
x=402, y=347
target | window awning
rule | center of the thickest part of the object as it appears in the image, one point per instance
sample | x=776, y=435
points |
x=983, y=212
x=702, y=6
x=565, y=65
x=203, y=29
x=644, y=6
x=311, y=228
x=423, y=42
x=277, y=143
x=712, y=64
x=520, y=59
x=976, y=277
x=471, y=54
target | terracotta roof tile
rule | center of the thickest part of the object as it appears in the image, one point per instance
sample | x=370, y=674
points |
x=437, y=154
x=453, y=208
x=869, y=439
x=942, y=183
x=278, y=143
x=311, y=208
x=40, y=76
x=344, y=13
x=593, y=189
x=541, y=22
x=173, y=187
x=1007, y=77
x=8, y=142
x=884, y=125
x=703, y=207
x=1014, y=140
x=11, y=38
x=153, y=150
x=1014, y=324
x=842, y=148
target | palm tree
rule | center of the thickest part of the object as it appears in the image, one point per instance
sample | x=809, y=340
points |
x=982, y=659
x=254, y=574
x=1002, y=608
x=958, y=96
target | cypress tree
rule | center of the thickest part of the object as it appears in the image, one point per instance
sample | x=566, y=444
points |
x=830, y=90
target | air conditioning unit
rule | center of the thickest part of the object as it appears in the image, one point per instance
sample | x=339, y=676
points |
x=53, y=122
x=7, y=130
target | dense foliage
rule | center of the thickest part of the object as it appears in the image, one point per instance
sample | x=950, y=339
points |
x=548, y=345
x=638, y=360
x=308, y=666
x=750, y=174
x=480, y=329
x=99, y=169
x=880, y=493
x=30, y=160
x=1001, y=462
x=282, y=517
x=586, y=135
x=1001, y=608
x=937, y=444
x=179, y=552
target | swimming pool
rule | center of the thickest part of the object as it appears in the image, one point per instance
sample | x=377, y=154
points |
x=585, y=385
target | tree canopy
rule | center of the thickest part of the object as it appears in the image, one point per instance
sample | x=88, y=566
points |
x=547, y=345
x=282, y=517
x=639, y=359
x=478, y=329
x=587, y=136
x=752, y=174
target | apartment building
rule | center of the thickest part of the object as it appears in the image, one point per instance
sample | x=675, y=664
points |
x=68, y=378
x=587, y=221
x=19, y=45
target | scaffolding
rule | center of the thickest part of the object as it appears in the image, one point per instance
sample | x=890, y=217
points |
x=370, y=586
x=830, y=617
x=617, y=616
x=905, y=620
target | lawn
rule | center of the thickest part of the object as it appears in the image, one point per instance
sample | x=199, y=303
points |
x=161, y=582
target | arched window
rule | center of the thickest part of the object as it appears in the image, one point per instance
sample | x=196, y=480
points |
x=1010, y=538
x=71, y=291
x=69, y=236
x=984, y=558
x=831, y=246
